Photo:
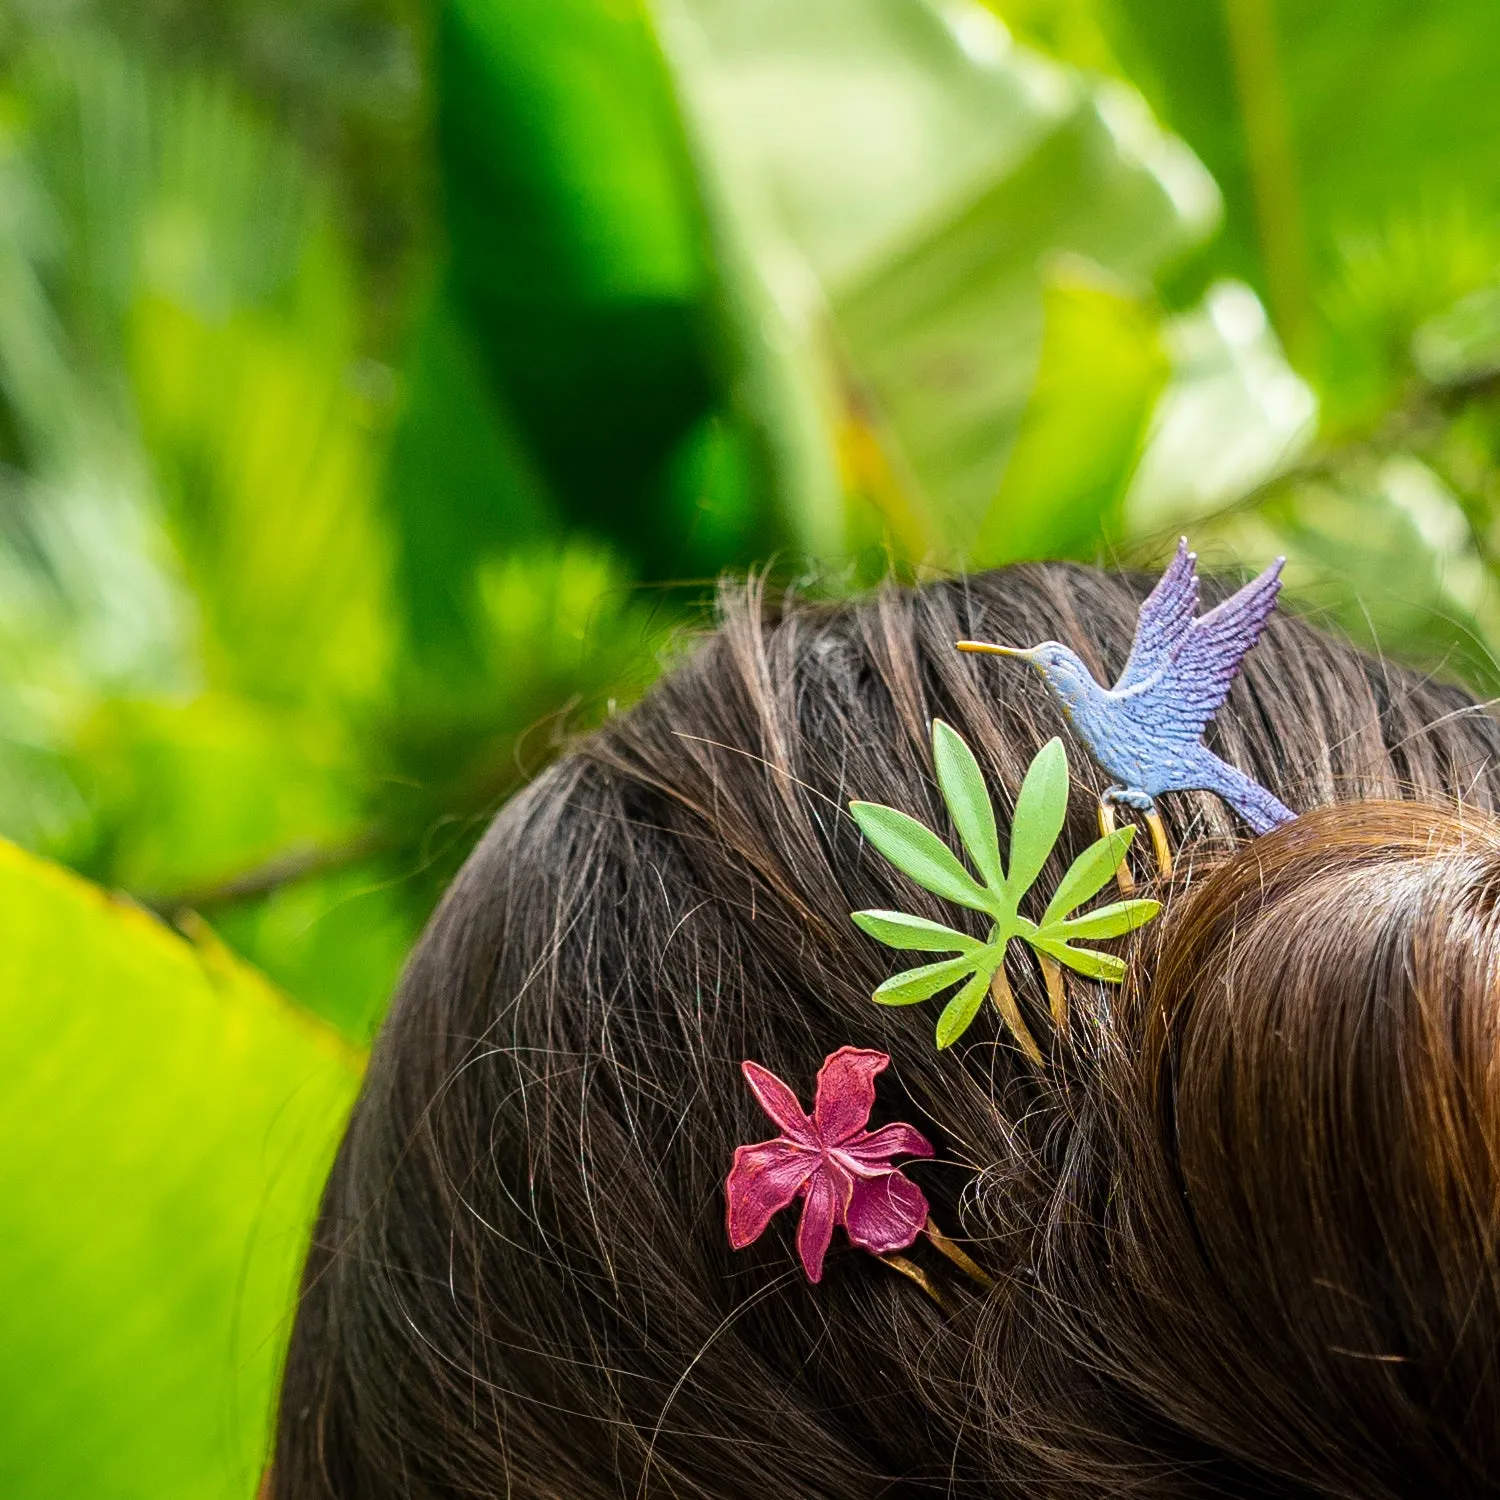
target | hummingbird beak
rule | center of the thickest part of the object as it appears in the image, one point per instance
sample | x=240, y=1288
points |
x=985, y=648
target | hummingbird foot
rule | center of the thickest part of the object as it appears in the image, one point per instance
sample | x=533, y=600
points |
x=1145, y=804
x=1129, y=796
x=1159, y=844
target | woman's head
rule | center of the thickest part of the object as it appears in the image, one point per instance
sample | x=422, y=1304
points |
x=1242, y=1223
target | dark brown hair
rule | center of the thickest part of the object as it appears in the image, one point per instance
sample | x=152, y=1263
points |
x=1243, y=1222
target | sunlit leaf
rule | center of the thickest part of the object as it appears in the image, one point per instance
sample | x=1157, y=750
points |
x=266, y=459
x=897, y=930
x=1088, y=874
x=1233, y=415
x=912, y=985
x=168, y=1119
x=1102, y=368
x=1306, y=164
x=968, y=800
x=918, y=852
x=902, y=171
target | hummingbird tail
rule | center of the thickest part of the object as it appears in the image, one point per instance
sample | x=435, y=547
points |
x=1249, y=799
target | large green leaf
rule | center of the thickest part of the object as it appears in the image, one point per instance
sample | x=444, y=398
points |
x=1324, y=121
x=577, y=263
x=1102, y=368
x=167, y=1119
x=896, y=173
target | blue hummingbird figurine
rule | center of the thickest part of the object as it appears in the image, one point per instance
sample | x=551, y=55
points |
x=1147, y=730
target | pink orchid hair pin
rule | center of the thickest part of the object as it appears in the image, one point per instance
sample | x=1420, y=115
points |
x=845, y=1175
x=1147, y=732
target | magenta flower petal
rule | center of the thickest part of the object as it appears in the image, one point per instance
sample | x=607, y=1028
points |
x=827, y=1194
x=844, y=1174
x=846, y=1093
x=873, y=1152
x=779, y=1102
x=763, y=1180
x=885, y=1213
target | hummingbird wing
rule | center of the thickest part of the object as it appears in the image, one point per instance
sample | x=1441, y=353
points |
x=1164, y=621
x=1199, y=673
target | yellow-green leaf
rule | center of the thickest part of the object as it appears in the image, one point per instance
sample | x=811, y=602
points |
x=168, y=1119
x=1088, y=874
x=968, y=800
x=917, y=851
x=1096, y=965
x=913, y=985
x=1102, y=368
x=898, y=930
x=1038, y=819
x=960, y=1011
x=1110, y=921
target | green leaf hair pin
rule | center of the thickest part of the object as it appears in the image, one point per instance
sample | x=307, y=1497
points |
x=997, y=890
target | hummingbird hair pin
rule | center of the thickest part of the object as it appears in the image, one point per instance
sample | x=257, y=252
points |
x=1147, y=730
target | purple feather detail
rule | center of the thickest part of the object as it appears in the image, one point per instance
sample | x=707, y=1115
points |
x=1194, y=675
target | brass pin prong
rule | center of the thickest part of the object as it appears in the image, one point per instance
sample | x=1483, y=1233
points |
x=1123, y=878
x=942, y=1243
x=1159, y=843
x=1057, y=996
x=1005, y=1003
x=913, y=1272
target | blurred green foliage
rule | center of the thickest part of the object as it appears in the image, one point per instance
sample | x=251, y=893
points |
x=384, y=382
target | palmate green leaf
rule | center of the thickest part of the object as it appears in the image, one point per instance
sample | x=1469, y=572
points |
x=917, y=851
x=912, y=985
x=968, y=800
x=1040, y=809
x=960, y=1011
x=168, y=1119
x=898, y=930
x=1088, y=874
x=1103, y=966
x=1110, y=921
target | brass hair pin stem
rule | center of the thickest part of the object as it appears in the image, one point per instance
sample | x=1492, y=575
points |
x=942, y=1243
x=1159, y=845
x=915, y=1274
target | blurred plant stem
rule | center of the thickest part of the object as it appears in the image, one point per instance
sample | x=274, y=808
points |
x=1271, y=155
x=285, y=869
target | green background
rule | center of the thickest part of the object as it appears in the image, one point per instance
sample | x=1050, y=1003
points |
x=383, y=385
